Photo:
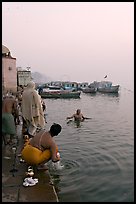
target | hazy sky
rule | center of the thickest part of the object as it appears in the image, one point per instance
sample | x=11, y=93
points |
x=76, y=41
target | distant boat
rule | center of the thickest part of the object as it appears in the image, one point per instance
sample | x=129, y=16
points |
x=89, y=90
x=47, y=93
x=54, y=87
x=112, y=89
x=107, y=87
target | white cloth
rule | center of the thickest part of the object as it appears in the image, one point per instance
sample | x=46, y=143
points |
x=30, y=181
x=32, y=107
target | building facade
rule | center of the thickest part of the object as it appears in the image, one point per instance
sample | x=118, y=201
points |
x=9, y=71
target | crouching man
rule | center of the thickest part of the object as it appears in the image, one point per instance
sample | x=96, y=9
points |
x=42, y=147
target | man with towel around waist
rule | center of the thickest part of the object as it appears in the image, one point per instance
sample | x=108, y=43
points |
x=42, y=147
x=9, y=106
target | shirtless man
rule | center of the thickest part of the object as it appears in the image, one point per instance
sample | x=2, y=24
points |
x=78, y=116
x=9, y=106
x=41, y=148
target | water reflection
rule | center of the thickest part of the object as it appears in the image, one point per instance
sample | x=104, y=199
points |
x=111, y=94
x=97, y=154
x=56, y=180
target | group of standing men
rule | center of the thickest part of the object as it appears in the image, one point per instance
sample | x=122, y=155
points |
x=31, y=108
x=37, y=150
x=40, y=147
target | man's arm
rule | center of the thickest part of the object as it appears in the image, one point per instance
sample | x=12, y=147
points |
x=70, y=117
x=54, y=153
x=85, y=117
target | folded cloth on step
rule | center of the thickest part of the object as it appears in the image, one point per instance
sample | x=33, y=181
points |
x=30, y=181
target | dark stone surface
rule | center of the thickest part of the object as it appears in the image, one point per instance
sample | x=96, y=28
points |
x=13, y=174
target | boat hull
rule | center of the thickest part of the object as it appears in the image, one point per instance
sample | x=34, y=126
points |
x=61, y=94
x=112, y=89
x=89, y=90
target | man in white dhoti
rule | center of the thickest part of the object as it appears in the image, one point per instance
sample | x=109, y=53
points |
x=32, y=111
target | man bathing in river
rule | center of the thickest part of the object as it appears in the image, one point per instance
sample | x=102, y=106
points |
x=78, y=116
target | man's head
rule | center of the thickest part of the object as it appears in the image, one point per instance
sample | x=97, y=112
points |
x=55, y=129
x=31, y=84
x=78, y=111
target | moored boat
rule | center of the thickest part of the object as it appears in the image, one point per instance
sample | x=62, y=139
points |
x=107, y=87
x=89, y=90
x=112, y=89
x=60, y=94
x=55, y=87
x=102, y=86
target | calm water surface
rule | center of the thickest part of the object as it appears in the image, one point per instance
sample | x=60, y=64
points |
x=97, y=154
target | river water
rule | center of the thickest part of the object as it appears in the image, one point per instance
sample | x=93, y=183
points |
x=97, y=154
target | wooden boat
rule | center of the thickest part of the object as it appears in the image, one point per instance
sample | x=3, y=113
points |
x=89, y=90
x=55, y=87
x=111, y=89
x=107, y=87
x=60, y=94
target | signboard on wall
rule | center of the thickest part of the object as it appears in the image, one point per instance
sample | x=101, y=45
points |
x=24, y=77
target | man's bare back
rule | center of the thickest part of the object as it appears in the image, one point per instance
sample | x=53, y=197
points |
x=9, y=105
x=43, y=140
